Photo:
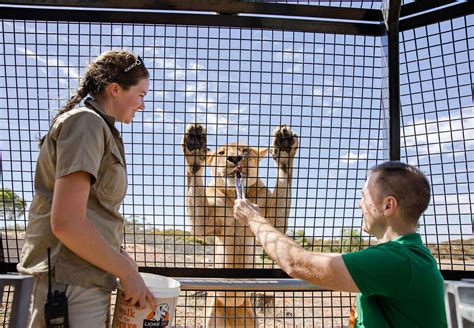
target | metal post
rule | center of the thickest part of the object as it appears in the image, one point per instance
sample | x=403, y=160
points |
x=391, y=13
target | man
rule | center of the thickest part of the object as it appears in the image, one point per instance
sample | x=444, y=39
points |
x=398, y=281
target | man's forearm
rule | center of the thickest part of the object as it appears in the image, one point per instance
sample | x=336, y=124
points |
x=325, y=270
x=283, y=250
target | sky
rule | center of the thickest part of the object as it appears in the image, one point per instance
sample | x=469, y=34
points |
x=241, y=84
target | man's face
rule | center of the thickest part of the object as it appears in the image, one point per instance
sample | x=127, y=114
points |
x=372, y=208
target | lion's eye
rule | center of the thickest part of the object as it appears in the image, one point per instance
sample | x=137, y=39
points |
x=222, y=152
x=244, y=150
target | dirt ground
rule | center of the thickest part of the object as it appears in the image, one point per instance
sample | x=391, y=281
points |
x=271, y=309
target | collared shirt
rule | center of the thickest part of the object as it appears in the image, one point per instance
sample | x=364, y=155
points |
x=400, y=285
x=82, y=139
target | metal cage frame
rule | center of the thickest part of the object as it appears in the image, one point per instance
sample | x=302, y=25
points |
x=386, y=23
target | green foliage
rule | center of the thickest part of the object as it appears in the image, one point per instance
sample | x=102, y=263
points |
x=299, y=237
x=11, y=205
x=194, y=240
x=137, y=227
x=351, y=240
x=133, y=225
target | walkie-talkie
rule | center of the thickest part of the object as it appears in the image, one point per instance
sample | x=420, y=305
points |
x=55, y=309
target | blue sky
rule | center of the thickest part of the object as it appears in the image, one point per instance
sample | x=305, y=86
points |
x=243, y=83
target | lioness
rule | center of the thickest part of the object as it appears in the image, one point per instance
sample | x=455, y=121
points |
x=210, y=210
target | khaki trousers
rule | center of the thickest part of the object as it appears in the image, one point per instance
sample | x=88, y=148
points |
x=88, y=307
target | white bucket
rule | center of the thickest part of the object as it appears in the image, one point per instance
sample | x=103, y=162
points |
x=166, y=292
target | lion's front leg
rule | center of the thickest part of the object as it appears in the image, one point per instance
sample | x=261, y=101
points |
x=195, y=150
x=285, y=145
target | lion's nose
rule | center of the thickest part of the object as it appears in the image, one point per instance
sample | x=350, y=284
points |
x=234, y=159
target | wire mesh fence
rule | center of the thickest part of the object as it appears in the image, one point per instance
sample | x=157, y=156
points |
x=240, y=84
x=437, y=131
x=325, y=87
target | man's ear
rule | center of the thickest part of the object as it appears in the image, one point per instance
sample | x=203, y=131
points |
x=390, y=205
x=210, y=156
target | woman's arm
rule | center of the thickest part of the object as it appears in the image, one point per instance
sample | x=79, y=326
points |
x=327, y=270
x=71, y=226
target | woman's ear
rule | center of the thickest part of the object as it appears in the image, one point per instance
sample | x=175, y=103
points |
x=113, y=89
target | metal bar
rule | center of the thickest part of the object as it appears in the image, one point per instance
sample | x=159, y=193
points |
x=457, y=274
x=440, y=15
x=81, y=15
x=274, y=274
x=6, y=267
x=217, y=273
x=391, y=52
x=391, y=11
x=246, y=284
x=3, y=267
x=223, y=6
x=23, y=286
x=394, y=91
x=421, y=6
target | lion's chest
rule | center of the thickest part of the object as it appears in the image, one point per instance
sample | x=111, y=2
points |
x=227, y=225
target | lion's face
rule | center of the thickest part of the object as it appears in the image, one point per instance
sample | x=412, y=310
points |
x=227, y=158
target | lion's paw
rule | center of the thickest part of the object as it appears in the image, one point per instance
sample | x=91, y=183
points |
x=285, y=144
x=194, y=146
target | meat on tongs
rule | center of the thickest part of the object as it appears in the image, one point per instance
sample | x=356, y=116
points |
x=239, y=182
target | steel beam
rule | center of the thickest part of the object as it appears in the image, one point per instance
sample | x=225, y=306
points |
x=439, y=15
x=303, y=18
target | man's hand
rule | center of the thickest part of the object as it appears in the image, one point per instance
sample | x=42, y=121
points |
x=245, y=210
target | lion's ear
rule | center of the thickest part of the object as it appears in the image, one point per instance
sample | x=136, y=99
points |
x=261, y=151
x=210, y=156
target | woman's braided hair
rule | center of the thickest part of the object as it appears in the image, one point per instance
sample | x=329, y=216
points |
x=121, y=67
x=110, y=66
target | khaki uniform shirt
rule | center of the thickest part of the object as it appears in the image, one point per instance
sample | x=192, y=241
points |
x=82, y=139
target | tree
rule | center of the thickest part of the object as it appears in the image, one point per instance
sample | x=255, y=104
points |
x=11, y=205
x=299, y=237
x=351, y=240
x=134, y=225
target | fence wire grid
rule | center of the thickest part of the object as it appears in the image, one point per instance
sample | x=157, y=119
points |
x=240, y=84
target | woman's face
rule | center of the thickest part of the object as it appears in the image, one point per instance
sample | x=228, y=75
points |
x=129, y=101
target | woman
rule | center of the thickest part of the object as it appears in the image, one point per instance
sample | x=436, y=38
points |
x=80, y=183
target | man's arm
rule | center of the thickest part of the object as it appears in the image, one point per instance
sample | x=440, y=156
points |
x=326, y=270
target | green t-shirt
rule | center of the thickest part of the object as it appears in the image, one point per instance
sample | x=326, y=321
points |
x=400, y=285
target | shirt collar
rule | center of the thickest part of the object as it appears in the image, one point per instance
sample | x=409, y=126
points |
x=94, y=105
x=409, y=239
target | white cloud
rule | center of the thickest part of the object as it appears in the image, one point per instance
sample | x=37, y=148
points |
x=49, y=61
x=352, y=157
x=429, y=133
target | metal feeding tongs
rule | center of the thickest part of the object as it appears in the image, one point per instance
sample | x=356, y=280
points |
x=239, y=185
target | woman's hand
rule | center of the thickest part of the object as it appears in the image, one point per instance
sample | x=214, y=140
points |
x=134, y=291
x=245, y=210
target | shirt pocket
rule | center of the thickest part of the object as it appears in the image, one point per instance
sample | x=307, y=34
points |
x=112, y=181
